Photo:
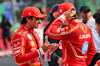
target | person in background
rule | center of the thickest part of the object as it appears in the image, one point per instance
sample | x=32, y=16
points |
x=85, y=13
x=77, y=42
x=98, y=10
x=26, y=46
x=8, y=10
x=6, y=26
x=56, y=56
x=96, y=16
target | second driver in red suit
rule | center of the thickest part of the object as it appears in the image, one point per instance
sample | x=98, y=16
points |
x=77, y=42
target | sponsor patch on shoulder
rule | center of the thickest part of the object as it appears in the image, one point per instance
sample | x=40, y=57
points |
x=29, y=36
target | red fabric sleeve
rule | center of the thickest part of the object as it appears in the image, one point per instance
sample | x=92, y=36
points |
x=91, y=51
x=55, y=32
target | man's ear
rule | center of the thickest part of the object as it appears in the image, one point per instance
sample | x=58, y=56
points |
x=28, y=19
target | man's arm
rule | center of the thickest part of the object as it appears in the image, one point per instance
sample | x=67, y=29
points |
x=91, y=51
x=22, y=56
x=53, y=30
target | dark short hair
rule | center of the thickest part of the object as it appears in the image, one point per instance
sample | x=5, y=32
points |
x=24, y=21
x=84, y=8
x=96, y=16
x=75, y=16
x=54, y=8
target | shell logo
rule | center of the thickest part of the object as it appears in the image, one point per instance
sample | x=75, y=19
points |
x=32, y=43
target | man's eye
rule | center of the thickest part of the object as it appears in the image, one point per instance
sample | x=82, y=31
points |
x=37, y=18
x=72, y=9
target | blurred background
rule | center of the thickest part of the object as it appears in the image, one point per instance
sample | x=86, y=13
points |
x=12, y=10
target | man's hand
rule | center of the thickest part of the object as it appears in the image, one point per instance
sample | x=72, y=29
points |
x=69, y=14
x=60, y=61
x=46, y=46
x=54, y=46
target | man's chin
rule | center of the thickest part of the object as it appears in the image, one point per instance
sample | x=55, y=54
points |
x=36, y=27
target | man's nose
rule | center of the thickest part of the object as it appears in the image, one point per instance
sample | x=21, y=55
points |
x=39, y=21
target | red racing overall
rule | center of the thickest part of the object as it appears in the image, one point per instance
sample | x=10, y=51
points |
x=77, y=43
x=25, y=46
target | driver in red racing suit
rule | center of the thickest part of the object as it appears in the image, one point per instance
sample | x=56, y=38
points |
x=24, y=42
x=77, y=42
